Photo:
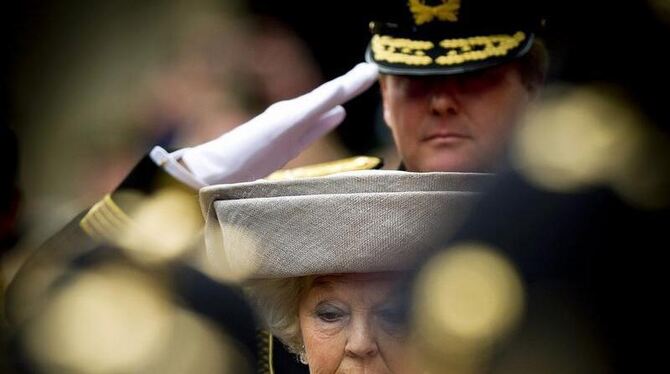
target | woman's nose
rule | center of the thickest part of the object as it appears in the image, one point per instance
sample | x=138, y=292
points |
x=362, y=342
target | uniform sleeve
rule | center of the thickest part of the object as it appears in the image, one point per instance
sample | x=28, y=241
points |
x=104, y=223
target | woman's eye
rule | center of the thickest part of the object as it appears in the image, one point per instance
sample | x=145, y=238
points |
x=392, y=316
x=393, y=321
x=330, y=315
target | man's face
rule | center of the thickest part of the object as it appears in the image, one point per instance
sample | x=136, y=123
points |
x=454, y=123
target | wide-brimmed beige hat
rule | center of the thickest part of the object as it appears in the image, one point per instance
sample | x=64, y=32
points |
x=364, y=221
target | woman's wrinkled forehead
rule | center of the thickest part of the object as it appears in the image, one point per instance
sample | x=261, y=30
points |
x=329, y=280
x=361, y=291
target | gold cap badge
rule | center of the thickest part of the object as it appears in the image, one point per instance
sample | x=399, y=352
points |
x=447, y=11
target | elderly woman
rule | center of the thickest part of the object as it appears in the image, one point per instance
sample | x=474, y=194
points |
x=320, y=256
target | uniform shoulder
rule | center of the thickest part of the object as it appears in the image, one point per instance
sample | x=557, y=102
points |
x=328, y=168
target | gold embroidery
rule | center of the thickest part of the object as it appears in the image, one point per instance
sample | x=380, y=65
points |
x=105, y=220
x=327, y=168
x=447, y=11
x=405, y=51
x=478, y=48
x=457, y=51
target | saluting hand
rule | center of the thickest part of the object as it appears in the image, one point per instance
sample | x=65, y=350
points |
x=267, y=142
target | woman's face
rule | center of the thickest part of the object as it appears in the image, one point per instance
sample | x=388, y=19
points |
x=349, y=324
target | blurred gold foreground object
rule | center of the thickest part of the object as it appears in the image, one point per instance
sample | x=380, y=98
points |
x=467, y=298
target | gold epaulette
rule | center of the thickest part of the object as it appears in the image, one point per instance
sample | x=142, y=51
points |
x=328, y=168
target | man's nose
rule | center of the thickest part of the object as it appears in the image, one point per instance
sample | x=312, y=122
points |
x=444, y=98
x=362, y=342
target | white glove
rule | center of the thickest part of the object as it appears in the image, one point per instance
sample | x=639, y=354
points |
x=271, y=139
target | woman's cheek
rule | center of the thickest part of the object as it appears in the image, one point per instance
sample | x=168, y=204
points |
x=324, y=346
x=327, y=329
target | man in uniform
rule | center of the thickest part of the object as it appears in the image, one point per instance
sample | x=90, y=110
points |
x=455, y=77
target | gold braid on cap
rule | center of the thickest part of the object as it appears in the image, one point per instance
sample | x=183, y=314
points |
x=447, y=11
x=457, y=51
x=398, y=50
x=478, y=48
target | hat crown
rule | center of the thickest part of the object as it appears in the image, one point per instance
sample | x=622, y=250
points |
x=456, y=16
x=347, y=223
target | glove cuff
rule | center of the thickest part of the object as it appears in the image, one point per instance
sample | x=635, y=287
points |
x=170, y=163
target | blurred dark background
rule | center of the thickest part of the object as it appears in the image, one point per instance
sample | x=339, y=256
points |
x=88, y=88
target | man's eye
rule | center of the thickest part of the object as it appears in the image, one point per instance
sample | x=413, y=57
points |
x=480, y=80
x=417, y=87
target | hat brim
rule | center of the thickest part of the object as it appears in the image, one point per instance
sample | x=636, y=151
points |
x=348, y=223
x=405, y=56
